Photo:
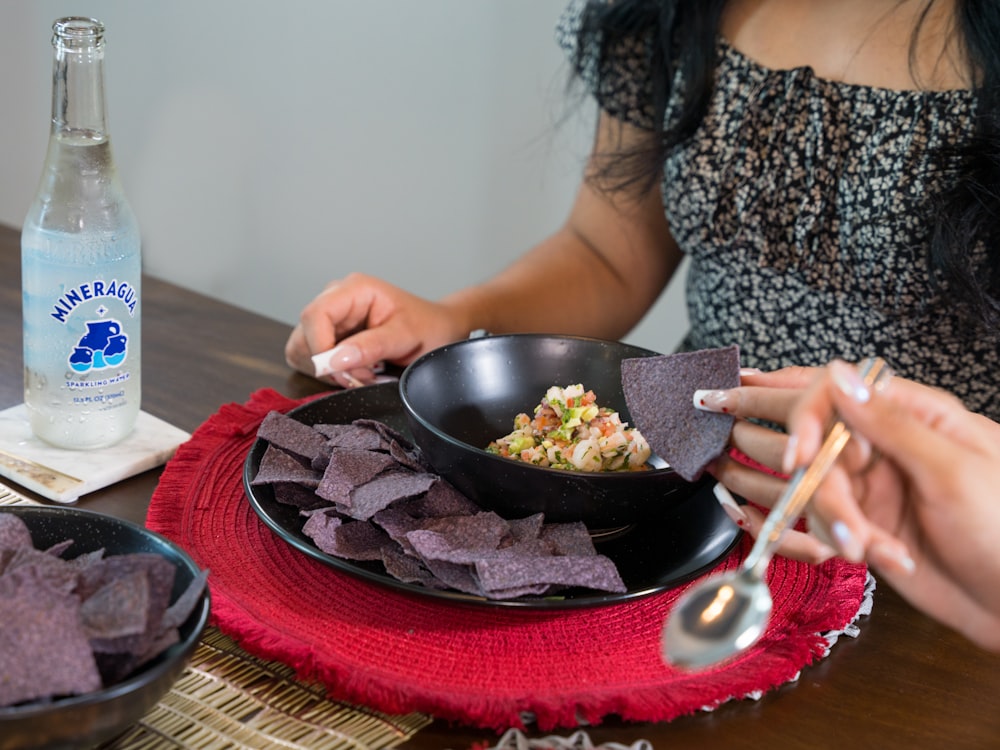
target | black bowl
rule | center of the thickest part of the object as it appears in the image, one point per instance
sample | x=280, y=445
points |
x=89, y=719
x=461, y=396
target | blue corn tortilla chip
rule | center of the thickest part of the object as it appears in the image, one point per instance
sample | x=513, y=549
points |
x=453, y=575
x=460, y=539
x=182, y=607
x=528, y=528
x=499, y=572
x=159, y=578
x=14, y=533
x=440, y=501
x=387, y=433
x=52, y=569
x=277, y=465
x=348, y=540
x=74, y=625
x=303, y=498
x=377, y=500
x=291, y=435
x=44, y=651
x=659, y=393
x=409, y=569
x=369, y=498
x=349, y=468
x=118, y=608
x=357, y=437
x=570, y=538
x=320, y=527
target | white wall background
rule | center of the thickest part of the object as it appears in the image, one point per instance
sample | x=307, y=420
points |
x=267, y=148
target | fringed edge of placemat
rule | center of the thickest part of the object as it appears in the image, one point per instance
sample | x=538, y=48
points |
x=515, y=739
x=227, y=698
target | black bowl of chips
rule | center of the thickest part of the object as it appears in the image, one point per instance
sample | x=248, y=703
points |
x=100, y=618
x=462, y=396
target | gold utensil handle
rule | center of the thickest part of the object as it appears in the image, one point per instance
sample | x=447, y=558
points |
x=806, y=480
x=46, y=476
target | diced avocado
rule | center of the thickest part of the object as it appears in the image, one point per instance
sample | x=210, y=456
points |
x=520, y=443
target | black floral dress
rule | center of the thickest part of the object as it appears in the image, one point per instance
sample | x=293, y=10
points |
x=801, y=203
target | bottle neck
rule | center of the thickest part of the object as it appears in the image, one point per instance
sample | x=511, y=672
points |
x=78, y=110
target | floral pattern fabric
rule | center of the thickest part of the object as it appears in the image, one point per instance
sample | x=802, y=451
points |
x=802, y=203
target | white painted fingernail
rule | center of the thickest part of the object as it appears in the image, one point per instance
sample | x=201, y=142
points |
x=322, y=365
x=788, y=457
x=846, y=542
x=729, y=504
x=891, y=555
x=338, y=359
x=849, y=382
x=714, y=401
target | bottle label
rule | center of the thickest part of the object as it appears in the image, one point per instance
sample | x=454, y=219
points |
x=104, y=343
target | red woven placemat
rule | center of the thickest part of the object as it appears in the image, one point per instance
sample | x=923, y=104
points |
x=481, y=666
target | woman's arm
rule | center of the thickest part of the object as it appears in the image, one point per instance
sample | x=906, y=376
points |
x=597, y=276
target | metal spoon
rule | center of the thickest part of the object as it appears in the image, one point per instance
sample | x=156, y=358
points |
x=725, y=614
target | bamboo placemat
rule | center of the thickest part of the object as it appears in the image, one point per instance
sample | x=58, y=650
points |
x=10, y=497
x=229, y=699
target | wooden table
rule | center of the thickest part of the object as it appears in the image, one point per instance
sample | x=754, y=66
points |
x=906, y=682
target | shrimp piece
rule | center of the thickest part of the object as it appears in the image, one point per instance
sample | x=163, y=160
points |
x=614, y=444
x=638, y=450
x=586, y=456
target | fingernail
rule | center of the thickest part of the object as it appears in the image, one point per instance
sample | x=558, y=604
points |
x=846, y=378
x=745, y=371
x=729, y=504
x=714, y=401
x=891, y=555
x=818, y=528
x=846, y=542
x=789, y=456
x=338, y=359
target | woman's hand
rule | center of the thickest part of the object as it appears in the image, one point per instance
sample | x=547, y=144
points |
x=913, y=494
x=767, y=397
x=924, y=511
x=365, y=321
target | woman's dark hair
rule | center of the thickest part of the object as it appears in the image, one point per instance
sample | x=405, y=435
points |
x=964, y=243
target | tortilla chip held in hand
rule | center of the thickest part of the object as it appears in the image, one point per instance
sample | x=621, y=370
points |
x=659, y=392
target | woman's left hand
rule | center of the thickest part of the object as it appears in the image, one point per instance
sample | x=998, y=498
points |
x=766, y=397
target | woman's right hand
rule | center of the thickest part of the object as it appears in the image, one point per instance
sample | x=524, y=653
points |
x=365, y=321
x=925, y=512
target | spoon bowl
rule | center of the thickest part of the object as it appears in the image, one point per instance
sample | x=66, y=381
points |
x=714, y=621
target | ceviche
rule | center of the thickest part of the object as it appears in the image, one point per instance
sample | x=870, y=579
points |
x=570, y=431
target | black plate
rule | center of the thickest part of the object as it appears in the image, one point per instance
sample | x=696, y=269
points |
x=687, y=540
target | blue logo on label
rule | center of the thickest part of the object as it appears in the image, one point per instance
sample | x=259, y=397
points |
x=103, y=345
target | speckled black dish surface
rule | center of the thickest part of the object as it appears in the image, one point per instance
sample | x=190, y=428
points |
x=87, y=720
x=685, y=539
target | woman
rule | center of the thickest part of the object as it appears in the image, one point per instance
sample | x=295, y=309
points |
x=828, y=166
x=914, y=494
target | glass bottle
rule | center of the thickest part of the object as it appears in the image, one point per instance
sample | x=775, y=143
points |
x=80, y=264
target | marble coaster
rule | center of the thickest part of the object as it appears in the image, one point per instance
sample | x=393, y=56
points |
x=65, y=475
